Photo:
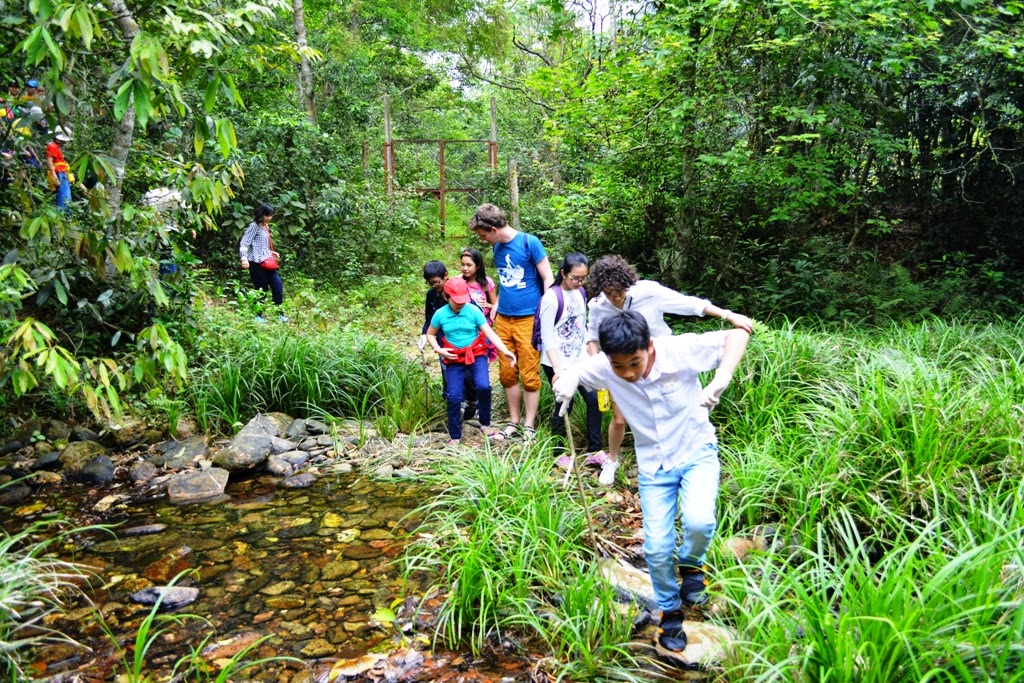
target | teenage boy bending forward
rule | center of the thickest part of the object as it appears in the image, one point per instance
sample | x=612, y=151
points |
x=655, y=383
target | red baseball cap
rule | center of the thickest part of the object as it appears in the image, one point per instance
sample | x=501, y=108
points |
x=457, y=290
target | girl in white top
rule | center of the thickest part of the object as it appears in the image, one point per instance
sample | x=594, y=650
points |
x=618, y=289
x=564, y=340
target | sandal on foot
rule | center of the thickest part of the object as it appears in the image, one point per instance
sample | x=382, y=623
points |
x=565, y=462
x=529, y=434
x=598, y=458
x=491, y=433
x=453, y=443
x=510, y=430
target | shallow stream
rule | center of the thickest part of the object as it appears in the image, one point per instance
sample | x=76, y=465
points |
x=307, y=567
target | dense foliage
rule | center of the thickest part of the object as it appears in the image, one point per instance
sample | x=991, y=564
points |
x=852, y=161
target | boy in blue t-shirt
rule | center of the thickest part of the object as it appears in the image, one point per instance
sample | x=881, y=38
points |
x=464, y=349
x=525, y=274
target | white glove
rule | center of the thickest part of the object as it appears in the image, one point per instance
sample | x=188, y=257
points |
x=564, y=389
x=422, y=342
x=712, y=393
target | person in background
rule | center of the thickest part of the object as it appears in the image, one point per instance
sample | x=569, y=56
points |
x=481, y=287
x=617, y=288
x=258, y=257
x=435, y=273
x=464, y=351
x=656, y=384
x=524, y=272
x=58, y=170
x=563, y=327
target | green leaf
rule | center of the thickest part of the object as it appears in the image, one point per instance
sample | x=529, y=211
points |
x=62, y=294
x=55, y=52
x=84, y=21
x=123, y=99
x=384, y=615
x=143, y=107
x=210, y=96
x=123, y=257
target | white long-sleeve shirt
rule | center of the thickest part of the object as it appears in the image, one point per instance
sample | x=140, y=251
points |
x=651, y=300
x=663, y=409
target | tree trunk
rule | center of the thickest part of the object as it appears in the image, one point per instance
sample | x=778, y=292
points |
x=305, y=70
x=123, y=129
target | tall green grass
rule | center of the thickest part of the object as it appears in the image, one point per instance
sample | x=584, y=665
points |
x=505, y=542
x=333, y=372
x=33, y=585
x=891, y=459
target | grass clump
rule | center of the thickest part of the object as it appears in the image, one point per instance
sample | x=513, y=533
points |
x=335, y=372
x=505, y=542
x=33, y=585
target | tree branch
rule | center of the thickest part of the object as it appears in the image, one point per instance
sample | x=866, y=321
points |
x=470, y=71
x=542, y=57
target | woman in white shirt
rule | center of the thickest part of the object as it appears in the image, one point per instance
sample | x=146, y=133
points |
x=563, y=325
x=618, y=289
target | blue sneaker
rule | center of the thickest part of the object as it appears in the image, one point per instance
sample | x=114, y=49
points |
x=260, y=319
x=283, y=319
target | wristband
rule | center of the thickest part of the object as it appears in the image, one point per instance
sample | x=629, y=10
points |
x=725, y=314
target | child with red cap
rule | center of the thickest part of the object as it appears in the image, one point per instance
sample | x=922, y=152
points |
x=464, y=349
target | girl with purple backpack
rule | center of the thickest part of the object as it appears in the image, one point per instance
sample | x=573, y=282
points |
x=563, y=331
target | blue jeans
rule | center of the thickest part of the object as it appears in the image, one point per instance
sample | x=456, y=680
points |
x=456, y=375
x=63, y=192
x=696, y=482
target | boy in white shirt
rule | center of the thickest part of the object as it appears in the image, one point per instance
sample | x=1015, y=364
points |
x=617, y=288
x=655, y=383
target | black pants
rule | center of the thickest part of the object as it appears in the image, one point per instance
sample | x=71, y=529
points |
x=268, y=281
x=594, y=417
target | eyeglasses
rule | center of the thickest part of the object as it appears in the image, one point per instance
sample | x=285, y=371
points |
x=577, y=279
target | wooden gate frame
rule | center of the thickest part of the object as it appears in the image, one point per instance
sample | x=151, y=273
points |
x=442, y=190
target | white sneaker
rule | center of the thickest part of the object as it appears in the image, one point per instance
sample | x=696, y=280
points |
x=608, y=470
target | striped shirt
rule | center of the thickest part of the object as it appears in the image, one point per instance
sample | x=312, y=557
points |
x=255, y=245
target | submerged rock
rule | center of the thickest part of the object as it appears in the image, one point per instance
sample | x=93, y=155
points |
x=173, y=596
x=143, y=530
x=707, y=645
x=630, y=583
x=9, y=495
x=339, y=569
x=78, y=453
x=46, y=461
x=245, y=452
x=99, y=470
x=176, y=455
x=192, y=486
x=299, y=481
x=142, y=472
x=83, y=434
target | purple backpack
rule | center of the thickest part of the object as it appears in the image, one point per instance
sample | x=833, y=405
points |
x=535, y=339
